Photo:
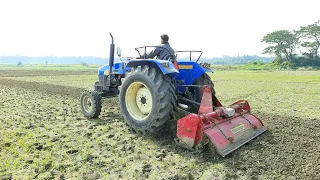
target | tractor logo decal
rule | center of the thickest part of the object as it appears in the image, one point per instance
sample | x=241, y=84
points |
x=185, y=66
x=240, y=127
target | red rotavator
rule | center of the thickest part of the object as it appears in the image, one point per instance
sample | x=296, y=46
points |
x=227, y=128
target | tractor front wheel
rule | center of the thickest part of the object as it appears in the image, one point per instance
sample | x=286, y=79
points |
x=90, y=102
x=147, y=99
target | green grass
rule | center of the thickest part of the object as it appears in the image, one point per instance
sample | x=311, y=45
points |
x=262, y=67
x=286, y=93
x=280, y=92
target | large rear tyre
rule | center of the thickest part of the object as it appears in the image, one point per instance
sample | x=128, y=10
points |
x=147, y=99
x=195, y=93
x=90, y=102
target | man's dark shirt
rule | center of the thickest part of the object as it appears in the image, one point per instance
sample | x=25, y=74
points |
x=162, y=53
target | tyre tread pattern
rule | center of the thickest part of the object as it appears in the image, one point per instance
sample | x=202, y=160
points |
x=166, y=98
x=96, y=102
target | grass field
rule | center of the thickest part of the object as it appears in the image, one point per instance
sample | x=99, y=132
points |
x=43, y=134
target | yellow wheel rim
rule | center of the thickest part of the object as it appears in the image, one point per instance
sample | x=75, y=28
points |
x=138, y=101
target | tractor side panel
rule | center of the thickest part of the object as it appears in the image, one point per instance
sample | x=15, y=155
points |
x=189, y=72
x=166, y=67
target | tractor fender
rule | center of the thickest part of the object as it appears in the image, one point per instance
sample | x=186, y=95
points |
x=190, y=72
x=166, y=67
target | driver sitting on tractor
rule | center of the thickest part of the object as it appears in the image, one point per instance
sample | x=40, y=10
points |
x=161, y=52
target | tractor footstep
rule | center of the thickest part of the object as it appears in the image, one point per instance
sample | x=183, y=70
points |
x=184, y=106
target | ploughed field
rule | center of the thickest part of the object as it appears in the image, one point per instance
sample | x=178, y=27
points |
x=43, y=134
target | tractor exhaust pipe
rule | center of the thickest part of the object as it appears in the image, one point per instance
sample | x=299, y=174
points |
x=111, y=55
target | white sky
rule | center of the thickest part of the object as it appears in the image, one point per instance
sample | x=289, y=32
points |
x=81, y=28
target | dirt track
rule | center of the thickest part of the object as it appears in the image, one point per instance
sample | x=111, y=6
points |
x=44, y=135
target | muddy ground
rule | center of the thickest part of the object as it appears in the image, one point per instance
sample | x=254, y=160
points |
x=43, y=135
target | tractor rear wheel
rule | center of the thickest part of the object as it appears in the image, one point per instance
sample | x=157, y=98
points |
x=90, y=102
x=196, y=92
x=147, y=99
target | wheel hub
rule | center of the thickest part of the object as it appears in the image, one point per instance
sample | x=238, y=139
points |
x=87, y=103
x=138, y=101
x=144, y=100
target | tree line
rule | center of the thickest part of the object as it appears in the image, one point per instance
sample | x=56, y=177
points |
x=85, y=60
x=246, y=59
x=295, y=47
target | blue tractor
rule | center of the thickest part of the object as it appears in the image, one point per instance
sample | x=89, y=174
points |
x=150, y=90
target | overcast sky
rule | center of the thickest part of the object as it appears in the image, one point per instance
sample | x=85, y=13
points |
x=81, y=28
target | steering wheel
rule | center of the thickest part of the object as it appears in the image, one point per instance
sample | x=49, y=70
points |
x=142, y=56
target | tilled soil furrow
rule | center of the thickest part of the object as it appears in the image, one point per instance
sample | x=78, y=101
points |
x=32, y=72
x=44, y=135
x=67, y=91
x=286, y=150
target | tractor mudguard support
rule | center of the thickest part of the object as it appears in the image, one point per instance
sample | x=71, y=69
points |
x=226, y=128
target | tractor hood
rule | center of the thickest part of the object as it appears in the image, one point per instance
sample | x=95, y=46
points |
x=118, y=68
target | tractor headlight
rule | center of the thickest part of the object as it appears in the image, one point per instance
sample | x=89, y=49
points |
x=205, y=65
x=165, y=64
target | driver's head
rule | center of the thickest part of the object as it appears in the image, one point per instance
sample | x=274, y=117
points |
x=164, y=38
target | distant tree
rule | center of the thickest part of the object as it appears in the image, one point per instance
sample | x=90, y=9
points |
x=46, y=63
x=19, y=64
x=311, y=38
x=84, y=64
x=282, y=43
x=312, y=48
